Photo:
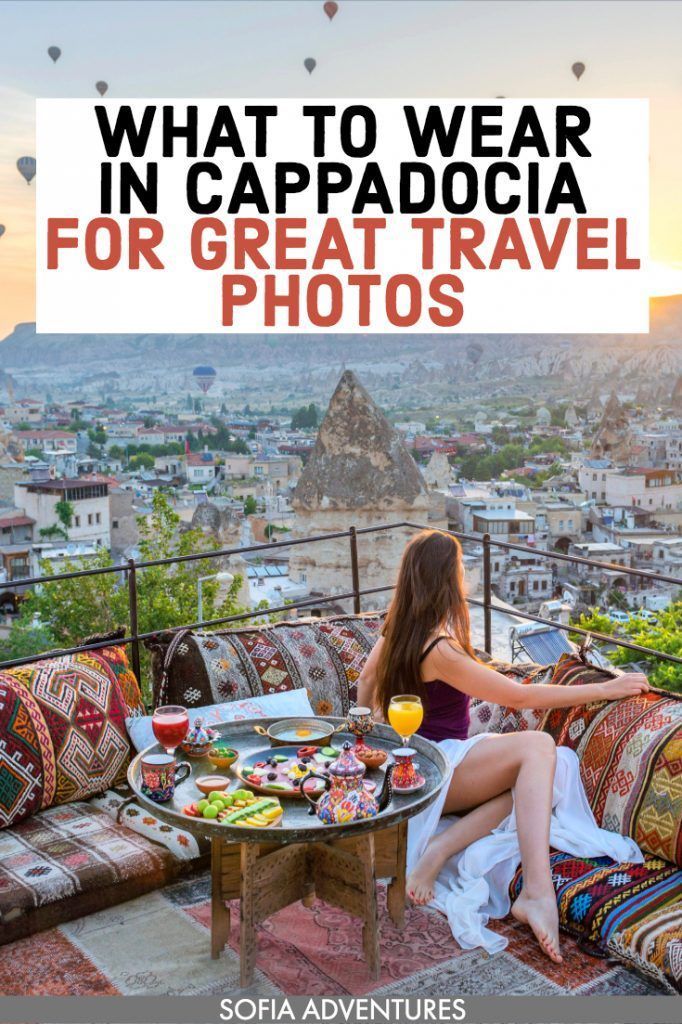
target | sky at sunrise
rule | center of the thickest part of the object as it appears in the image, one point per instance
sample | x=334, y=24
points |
x=399, y=48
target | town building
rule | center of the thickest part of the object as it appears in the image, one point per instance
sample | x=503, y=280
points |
x=90, y=501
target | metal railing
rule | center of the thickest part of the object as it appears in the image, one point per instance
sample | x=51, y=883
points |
x=133, y=638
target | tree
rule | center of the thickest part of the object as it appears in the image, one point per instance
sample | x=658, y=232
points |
x=250, y=505
x=664, y=635
x=305, y=418
x=64, y=512
x=116, y=452
x=143, y=460
x=63, y=613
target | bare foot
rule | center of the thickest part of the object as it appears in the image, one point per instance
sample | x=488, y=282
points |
x=542, y=916
x=420, y=882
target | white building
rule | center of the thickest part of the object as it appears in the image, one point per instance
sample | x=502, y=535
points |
x=89, y=499
x=650, y=489
x=201, y=468
x=50, y=440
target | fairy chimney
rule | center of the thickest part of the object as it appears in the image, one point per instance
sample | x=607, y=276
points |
x=438, y=473
x=359, y=473
x=613, y=439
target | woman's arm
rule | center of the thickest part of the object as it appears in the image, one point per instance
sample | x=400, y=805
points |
x=458, y=669
x=367, y=682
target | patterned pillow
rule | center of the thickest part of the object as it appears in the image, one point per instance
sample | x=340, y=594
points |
x=62, y=734
x=630, y=755
x=631, y=911
x=114, y=660
x=484, y=716
x=323, y=656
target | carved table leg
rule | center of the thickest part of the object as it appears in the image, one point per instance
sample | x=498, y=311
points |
x=220, y=912
x=370, y=929
x=247, y=934
x=395, y=894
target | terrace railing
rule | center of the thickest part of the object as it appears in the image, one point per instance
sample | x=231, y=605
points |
x=134, y=637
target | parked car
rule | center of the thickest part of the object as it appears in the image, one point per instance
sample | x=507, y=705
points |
x=617, y=616
x=647, y=615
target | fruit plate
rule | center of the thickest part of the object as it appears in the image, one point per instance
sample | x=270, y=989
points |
x=288, y=768
x=250, y=803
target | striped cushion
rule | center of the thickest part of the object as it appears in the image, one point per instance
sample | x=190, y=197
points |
x=633, y=911
x=630, y=754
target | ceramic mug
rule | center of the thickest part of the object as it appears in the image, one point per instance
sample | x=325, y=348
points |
x=161, y=773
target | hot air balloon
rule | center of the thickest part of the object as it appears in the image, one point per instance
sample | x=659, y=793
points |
x=310, y=64
x=2, y=230
x=578, y=68
x=205, y=377
x=54, y=52
x=26, y=165
x=101, y=87
x=331, y=8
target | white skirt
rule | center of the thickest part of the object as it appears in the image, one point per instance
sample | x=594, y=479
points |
x=473, y=887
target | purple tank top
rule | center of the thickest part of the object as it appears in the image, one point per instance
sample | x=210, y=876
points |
x=446, y=709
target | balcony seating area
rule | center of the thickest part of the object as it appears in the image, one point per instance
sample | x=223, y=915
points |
x=107, y=905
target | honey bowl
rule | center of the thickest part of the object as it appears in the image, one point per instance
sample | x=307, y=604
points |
x=222, y=756
x=212, y=783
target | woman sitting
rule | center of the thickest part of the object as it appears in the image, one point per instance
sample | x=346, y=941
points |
x=426, y=649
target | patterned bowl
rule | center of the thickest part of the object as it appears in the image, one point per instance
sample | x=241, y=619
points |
x=222, y=757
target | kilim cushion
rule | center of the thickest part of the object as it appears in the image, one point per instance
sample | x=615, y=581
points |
x=631, y=910
x=487, y=717
x=62, y=734
x=69, y=861
x=114, y=659
x=324, y=656
x=630, y=755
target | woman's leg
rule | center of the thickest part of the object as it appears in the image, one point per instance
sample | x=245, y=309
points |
x=524, y=762
x=474, y=825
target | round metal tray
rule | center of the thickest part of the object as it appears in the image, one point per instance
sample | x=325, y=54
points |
x=297, y=826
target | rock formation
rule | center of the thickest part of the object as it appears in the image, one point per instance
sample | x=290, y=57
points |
x=225, y=529
x=571, y=416
x=676, y=397
x=359, y=473
x=613, y=439
x=438, y=473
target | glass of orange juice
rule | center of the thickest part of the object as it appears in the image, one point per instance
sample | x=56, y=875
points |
x=405, y=713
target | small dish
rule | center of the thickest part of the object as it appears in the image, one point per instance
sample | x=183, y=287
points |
x=371, y=757
x=222, y=757
x=212, y=783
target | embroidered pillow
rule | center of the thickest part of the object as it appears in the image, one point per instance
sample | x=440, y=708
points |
x=484, y=716
x=630, y=755
x=322, y=656
x=70, y=717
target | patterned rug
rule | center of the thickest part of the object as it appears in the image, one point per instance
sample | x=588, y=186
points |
x=158, y=944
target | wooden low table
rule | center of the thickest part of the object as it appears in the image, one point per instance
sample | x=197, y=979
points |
x=302, y=859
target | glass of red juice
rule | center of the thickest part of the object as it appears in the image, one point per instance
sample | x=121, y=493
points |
x=170, y=724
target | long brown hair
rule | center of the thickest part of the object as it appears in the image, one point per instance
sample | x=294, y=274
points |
x=429, y=597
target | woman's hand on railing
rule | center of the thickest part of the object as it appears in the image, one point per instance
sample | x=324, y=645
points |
x=629, y=684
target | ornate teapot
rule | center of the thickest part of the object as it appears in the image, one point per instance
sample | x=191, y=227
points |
x=345, y=798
